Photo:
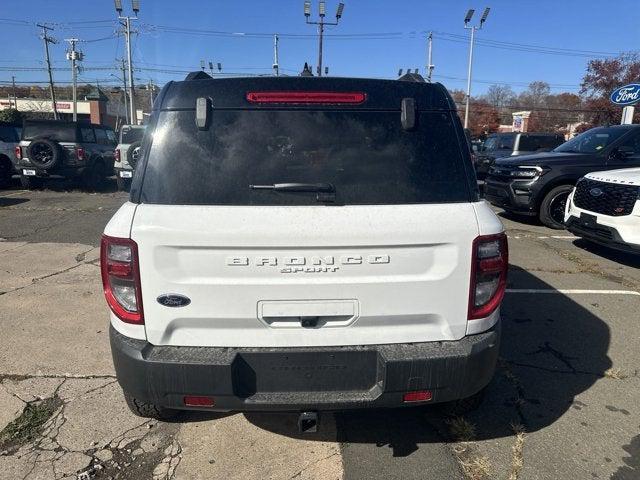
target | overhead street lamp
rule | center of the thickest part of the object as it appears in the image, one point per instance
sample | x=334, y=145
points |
x=321, y=23
x=473, y=29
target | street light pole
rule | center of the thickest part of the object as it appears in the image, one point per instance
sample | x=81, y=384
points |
x=124, y=93
x=473, y=29
x=321, y=23
x=74, y=56
x=276, y=66
x=135, y=6
x=430, y=65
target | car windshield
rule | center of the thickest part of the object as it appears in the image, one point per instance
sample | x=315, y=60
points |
x=367, y=156
x=592, y=141
x=498, y=142
x=130, y=135
x=60, y=132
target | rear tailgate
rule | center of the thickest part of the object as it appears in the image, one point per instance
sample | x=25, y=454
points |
x=274, y=276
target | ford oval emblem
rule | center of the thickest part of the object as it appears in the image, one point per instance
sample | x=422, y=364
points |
x=627, y=95
x=596, y=192
x=173, y=300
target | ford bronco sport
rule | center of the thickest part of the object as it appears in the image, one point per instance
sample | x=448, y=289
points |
x=303, y=244
x=61, y=149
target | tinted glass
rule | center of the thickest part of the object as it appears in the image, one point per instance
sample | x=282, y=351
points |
x=111, y=136
x=8, y=134
x=529, y=143
x=101, y=136
x=366, y=155
x=634, y=143
x=130, y=135
x=499, y=142
x=87, y=135
x=592, y=141
x=56, y=131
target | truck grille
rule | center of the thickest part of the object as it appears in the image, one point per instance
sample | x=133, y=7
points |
x=606, y=198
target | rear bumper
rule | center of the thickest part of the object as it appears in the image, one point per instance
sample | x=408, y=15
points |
x=290, y=379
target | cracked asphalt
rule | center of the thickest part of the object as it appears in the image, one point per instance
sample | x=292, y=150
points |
x=563, y=403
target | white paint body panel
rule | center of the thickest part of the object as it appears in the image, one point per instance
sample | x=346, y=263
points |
x=370, y=274
x=628, y=226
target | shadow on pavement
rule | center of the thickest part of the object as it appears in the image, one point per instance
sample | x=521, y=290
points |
x=627, y=259
x=11, y=201
x=552, y=350
x=526, y=219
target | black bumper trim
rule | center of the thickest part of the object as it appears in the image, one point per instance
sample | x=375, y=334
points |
x=602, y=235
x=290, y=379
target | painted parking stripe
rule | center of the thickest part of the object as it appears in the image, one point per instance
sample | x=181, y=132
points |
x=542, y=237
x=13, y=193
x=572, y=291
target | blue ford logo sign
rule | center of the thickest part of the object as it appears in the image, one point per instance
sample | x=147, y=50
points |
x=627, y=95
x=596, y=192
x=173, y=300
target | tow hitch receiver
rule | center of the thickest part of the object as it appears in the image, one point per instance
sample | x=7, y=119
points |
x=308, y=422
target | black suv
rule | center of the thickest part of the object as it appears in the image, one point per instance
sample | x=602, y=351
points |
x=500, y=145
x=55, y=149
x=539, y=184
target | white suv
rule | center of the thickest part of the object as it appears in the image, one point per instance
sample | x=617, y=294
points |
x=605, y=208
x=303, y=244
x=127, y=153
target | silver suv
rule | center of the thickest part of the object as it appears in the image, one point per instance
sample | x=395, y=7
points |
x=60, y=149
x=9, y=138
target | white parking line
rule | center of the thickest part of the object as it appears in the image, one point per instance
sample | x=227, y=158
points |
x=542, y=237
x=13, y=193
x=572, y=291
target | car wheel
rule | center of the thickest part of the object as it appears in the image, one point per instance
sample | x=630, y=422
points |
x=553, y=206
x=124, y=184
x=149, y=410
x=30, y=183
x=95, y=177
x=44, y=153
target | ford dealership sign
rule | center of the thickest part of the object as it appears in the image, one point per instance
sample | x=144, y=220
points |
x=627, y=95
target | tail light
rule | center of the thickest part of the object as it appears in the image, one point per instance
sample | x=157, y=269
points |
x=121, y=278
x=490, y=261
x=18, y=151
x=307, y=97
x=116, y=154
x=80, y=153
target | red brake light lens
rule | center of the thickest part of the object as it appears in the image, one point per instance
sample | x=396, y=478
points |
x=302, y=98
x=419, y=396
x=18, y=152
x=121, y=278
x=80, y=153
x=116, y=155
x=198, y=401
x=490, y=262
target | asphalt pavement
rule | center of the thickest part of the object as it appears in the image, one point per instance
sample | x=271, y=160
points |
x=563, y=403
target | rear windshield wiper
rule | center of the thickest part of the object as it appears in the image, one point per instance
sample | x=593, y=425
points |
x=297, y=187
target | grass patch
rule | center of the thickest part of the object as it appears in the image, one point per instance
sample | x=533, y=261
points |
x=28, y=425
x=517, y=456
x=461, y=429
x=615, y=373
x=477, y=468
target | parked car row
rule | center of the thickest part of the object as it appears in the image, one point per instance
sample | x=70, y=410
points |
x=45, y=149
x=603, y=207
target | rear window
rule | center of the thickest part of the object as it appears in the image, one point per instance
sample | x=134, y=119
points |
x=365, y=155
x=499, y=142
x=54, y=131
x=130, y=135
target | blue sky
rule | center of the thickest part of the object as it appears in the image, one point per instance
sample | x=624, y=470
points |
x=394, y=38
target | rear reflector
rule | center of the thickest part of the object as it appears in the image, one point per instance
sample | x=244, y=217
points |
x=302, y=98
x=419, y=396
x=116, y=155
x=18, y=152
x=489, y=265
x=198, y=401
x=80, y=153
x=121, y=278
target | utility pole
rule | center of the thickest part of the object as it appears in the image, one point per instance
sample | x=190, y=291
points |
x=150, y=89
x=276, y=66
x=47, y=40
x=430, y=65
x=321, y=23
x=473, y=29
x=74, y=56
x=124, y=92
x=15, y=98
x=126, y=23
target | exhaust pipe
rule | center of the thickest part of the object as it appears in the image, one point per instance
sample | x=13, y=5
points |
x=308, y=422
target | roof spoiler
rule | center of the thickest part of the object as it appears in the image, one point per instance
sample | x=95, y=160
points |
x=199, y=75
x=412, y=77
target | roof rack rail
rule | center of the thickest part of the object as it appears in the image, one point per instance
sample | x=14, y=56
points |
x=412, y=77
x=199, y=75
